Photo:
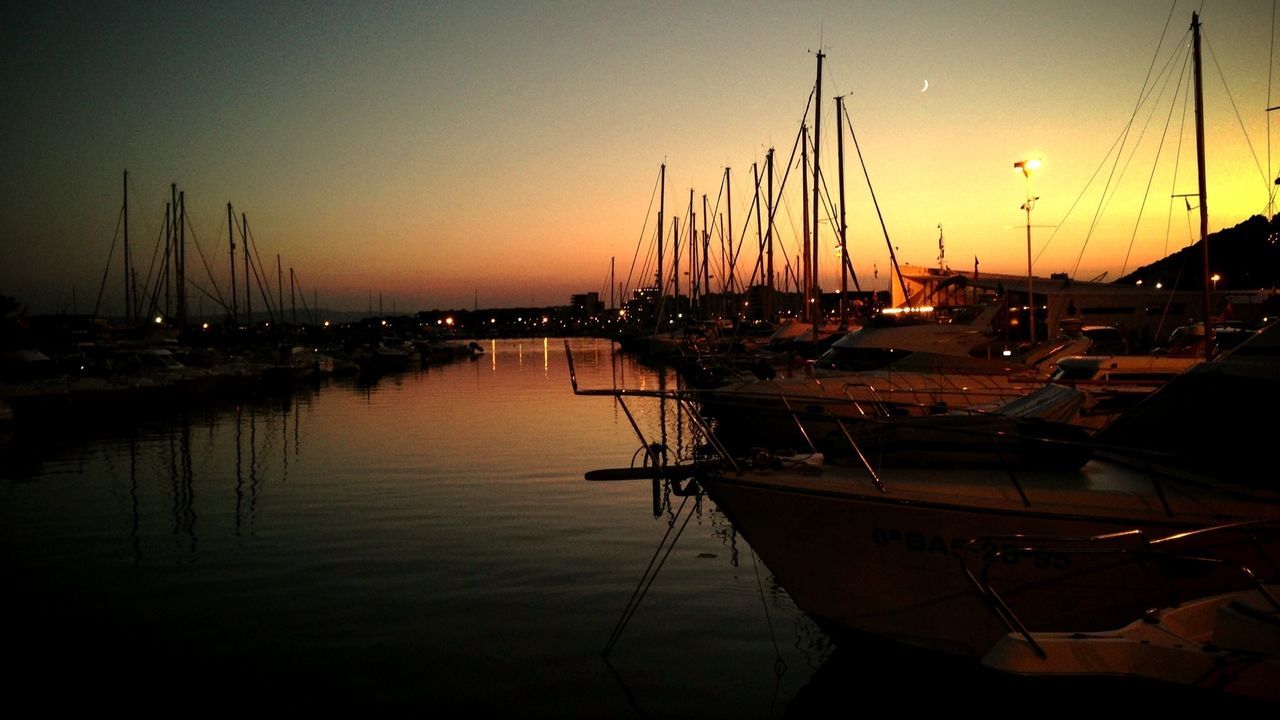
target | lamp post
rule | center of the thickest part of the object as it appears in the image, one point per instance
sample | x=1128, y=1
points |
x=1027, y=166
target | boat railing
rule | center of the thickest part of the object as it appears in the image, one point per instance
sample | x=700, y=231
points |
x=1135, y=544
x=655, y=463
x=861, y=437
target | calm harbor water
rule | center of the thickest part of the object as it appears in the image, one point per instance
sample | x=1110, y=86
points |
x=426, y=541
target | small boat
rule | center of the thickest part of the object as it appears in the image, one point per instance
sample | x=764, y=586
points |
x=1226, y=643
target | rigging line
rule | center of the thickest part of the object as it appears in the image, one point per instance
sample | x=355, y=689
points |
x=110, y=253
x=209, y=295
x=782, y=185
x=746, y=225
x=255, y=266
x=1147, y=192
x=643, y=230
x=893, y=257
x=1120, y=140
x=162, y=277
x=1173, y=189
x=832, y=212
x=712, y=228
x=1108, y=193
x=204, y=261
x=303, y=296
x=155, y=253
x=1234, y=108
x=1111, y=187
x=647, y=578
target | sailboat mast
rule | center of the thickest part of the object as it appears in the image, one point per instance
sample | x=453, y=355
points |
x=706, y=252
x=128, y=306
x=279, y=287
x=768, y=237
x=806, y=310
x=182, y=259
x=693, y=254
x=248, y=291
x=759, y=271
x=231, y=243
x=675, y=262
x=662, y=204
x=817, y=137
x=728, y=196
x=844, y=228
x=1204, y=204
x=172, y=261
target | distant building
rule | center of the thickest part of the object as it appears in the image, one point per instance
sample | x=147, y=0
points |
x=586, y=304
x=1147, y=312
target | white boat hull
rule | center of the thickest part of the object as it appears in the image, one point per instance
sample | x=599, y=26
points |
x=889, y=563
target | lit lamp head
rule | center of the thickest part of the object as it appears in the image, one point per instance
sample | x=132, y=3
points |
x=1027, y=166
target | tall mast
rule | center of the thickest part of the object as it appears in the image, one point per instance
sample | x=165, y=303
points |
x=768, y=236
x=706, y=252
x=171, y=267
x=844, y=228
x=729, y=285
x=128, y=306
x=182, y=259
x=293, y=300
x=231, y=243
x=1204, y=204
x=759, y=271
x=279, y=288
x=693, y=255
x=662, y=204
x=248, y=290
x=806, y=310
x=817, y=137
x=675, y=261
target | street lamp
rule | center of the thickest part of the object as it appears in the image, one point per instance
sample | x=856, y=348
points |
x=1027, y=167
x=1216, y=277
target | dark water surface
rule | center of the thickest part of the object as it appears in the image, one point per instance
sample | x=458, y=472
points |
x=427, y=540
x=424, y=542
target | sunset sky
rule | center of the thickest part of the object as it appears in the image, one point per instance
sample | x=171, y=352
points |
x=433, y=152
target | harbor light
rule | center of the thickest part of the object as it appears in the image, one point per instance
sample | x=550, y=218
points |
x=1027, y=167
x=159, y=320
x=1216, y=277
x=204, y=326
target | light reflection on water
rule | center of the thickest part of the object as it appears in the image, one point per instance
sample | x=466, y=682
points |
x=426, y=538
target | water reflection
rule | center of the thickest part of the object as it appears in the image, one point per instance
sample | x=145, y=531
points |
x=374, y=531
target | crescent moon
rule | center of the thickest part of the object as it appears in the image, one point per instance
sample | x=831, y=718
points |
x=926, y=86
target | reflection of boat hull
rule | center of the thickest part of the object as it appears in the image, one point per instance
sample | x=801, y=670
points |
x=888, y=563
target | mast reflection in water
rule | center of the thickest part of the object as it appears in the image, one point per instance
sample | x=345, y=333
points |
x=424, y=539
